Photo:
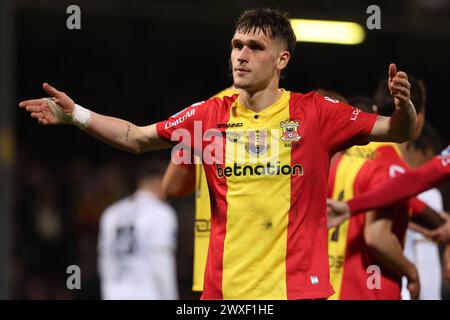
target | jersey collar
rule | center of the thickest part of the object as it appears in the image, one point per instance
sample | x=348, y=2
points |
x=273, y=109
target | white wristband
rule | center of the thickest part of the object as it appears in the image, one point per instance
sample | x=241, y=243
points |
x=80, y=116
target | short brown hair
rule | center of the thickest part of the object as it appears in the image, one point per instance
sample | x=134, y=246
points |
x=271, y=22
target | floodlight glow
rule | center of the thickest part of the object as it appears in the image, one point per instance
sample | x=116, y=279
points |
x=337, y=32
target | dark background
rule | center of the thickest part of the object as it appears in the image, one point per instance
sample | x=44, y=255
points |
x=145, y=60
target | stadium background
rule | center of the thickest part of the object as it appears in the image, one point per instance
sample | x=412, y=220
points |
x=143, y=61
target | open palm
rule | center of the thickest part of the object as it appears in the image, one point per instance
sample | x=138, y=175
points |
x=50, y=111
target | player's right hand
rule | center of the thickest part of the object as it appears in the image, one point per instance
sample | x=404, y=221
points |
x=48, y=113
x=399, y=86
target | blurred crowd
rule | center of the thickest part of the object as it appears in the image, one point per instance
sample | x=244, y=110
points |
x=57, y=209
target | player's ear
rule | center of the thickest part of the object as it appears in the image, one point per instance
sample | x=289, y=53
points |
x=283, y=59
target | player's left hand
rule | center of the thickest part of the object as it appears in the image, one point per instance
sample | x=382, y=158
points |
x=417, y=228
x=399, y=86
x=442, y=234
x=337, y=212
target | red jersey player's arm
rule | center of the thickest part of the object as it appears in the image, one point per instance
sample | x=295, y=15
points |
x=384, y=245
x=428, y=218
x=178, y=181
x=401, y=187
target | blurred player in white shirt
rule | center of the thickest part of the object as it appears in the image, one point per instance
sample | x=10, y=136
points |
x=137, y=244
x=418, y=249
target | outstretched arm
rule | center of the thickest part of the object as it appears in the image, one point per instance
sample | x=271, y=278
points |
x=61, y=109
x=400, y=127
x=401, y=187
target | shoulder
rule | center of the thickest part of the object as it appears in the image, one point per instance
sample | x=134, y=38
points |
x=310, y=97
x=228, y=92
x=389, y=154
x=117, y=206
x=313, y=97
x=114, y=210
x=324, y=104
x=151, y=208
x=389, y=163
x=382, y=158
x=221, y=102
x=303, y=102
x=214, y=105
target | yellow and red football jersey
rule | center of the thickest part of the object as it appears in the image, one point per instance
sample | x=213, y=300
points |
x=357, y=171
x=267, y=176
x=203, y=216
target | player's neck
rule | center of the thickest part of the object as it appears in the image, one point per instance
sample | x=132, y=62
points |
x=152, y=188
x=402, y=147
x=259, y=100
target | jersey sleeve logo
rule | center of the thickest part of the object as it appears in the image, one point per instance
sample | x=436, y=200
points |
x=355, y=114
x=179, y=120
x=191, y=106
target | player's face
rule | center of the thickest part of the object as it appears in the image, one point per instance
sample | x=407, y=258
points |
x=257, y=60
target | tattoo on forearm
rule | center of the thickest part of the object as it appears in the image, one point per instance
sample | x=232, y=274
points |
x=380, y=118
x=128, y=131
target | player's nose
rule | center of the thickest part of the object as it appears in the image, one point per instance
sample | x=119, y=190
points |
x=243, y=55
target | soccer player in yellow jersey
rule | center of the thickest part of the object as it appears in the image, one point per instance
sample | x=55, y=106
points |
x=180, y=180
x=266, y=153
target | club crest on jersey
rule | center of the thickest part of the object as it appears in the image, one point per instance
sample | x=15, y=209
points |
x=290, y=132
x=257, y=142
